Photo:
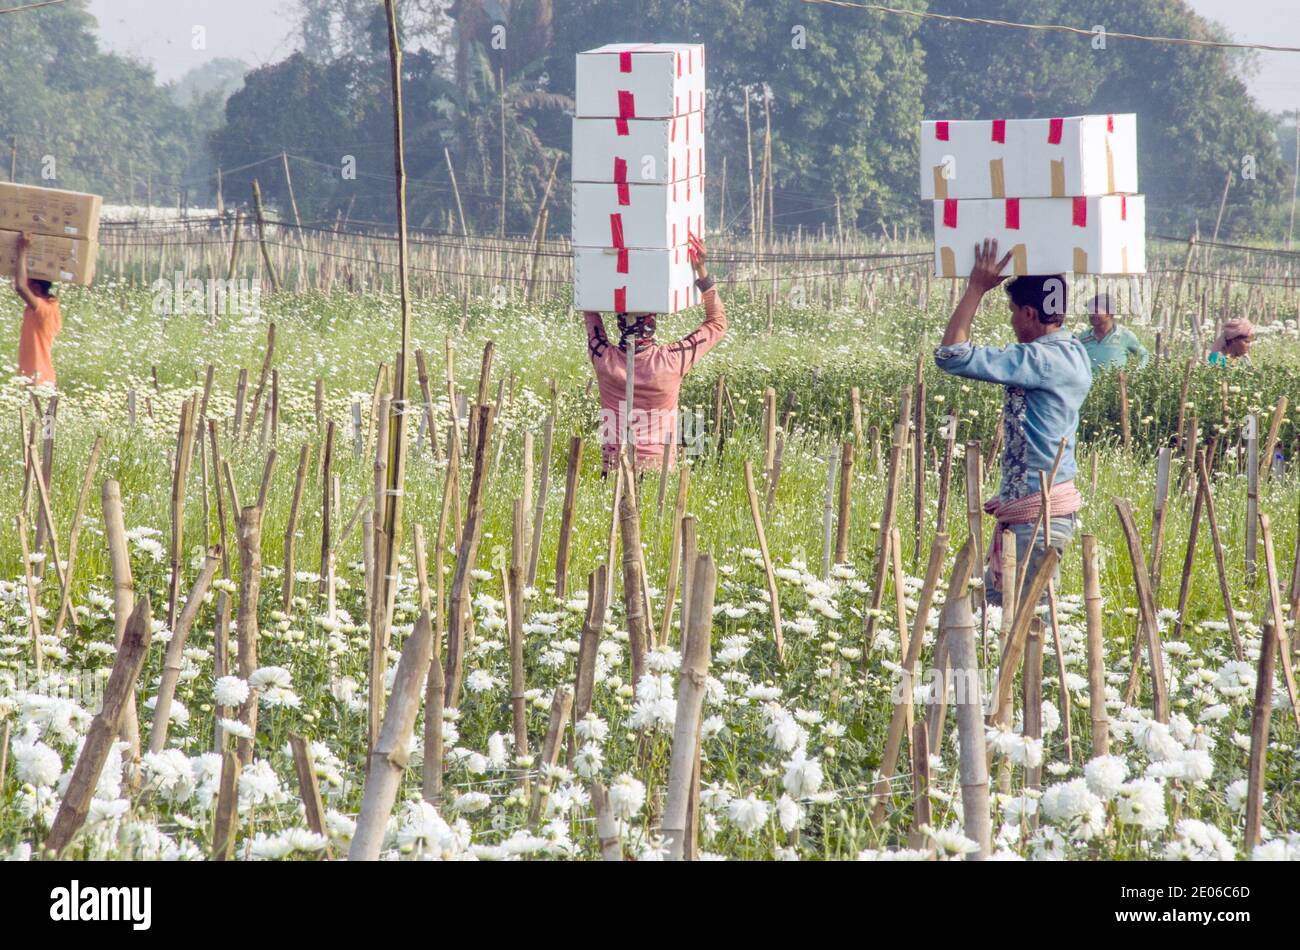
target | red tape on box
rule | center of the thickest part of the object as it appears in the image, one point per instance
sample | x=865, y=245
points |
x=616, y=230
x=1054, y=129
x=1000, y=131
x=941, y=131
x=1081, y=212
x=620, y=300
x=625, y=61
x=622, y=260
x=1013, y=214
x=949, y=212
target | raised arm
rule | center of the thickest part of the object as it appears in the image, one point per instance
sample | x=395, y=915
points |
x=20, y=272
x=690, y=348
x=984, y=276
x=597, y=342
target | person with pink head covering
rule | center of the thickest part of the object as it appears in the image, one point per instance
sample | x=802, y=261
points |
x=1233, y=342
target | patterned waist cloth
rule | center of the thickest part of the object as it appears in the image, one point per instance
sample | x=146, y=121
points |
x=1065, y=500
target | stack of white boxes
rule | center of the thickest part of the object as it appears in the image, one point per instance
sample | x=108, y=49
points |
x=1060, y=194
x=638, y=176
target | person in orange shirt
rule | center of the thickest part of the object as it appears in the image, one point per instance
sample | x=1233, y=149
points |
x=41, y=320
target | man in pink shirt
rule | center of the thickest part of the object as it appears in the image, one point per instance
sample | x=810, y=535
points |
x=658, y=371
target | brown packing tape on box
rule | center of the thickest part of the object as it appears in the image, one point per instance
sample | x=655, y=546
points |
x=70, y=214
x=997, y=178
x=1080, y=261
x=1058, y=178
x=940, y=183
x=1019, y=260
x=60, y=259
x=947, y=262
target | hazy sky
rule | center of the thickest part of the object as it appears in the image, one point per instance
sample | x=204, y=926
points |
x=260, y=31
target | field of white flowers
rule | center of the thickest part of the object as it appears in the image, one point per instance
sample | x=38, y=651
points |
x=790, y=751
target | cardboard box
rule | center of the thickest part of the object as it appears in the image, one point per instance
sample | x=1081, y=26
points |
x=61, y=259
x=640, y=216
x=642, y=150
x=640, y=81
x=49, y=211
x=1083, y=235
x=632, y=280
x=1029, y=158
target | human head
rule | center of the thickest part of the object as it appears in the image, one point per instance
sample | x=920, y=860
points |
x=1101, y=314
x=637, y=326
x=41, y=287
x=1038, y=305
x=1236, y=338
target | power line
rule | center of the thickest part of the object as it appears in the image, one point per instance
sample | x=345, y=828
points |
x=1053, y=27
x=30, y=6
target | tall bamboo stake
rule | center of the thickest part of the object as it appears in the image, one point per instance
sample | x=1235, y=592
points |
x=176, y=649
x=515, y=598
x=74, y=532
x=1146, y=611
x=119, y=558
x=291, y=529
x=566, y=515
x=1096, y=649
x=773, y=595
x=690, y=703
x=466, y=553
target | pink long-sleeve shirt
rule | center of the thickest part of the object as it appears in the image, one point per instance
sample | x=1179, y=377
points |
x=656, y=386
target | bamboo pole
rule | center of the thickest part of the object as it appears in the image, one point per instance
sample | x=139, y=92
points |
x=515, y=598
x=882, y=544
x=123, y=594
x=1146, y=611
x=973, y=773
x=690, y=703
x=1261, y=712
x=174, y=656
x=246, y=624
x=828, y=512
x=1096, y=649
x=638, y=623
x=1277, y=617
x=539, y=513
x=33, y=598
x=466, y=553
x=226, y=822
x=1207, y=494
x=674, y=544
x=1014, y=649
x=589, y=643
x=389, y=758
x=118, y=694
x=74, y=532
x=566, y=515
x=291, y=529
x=845, y=504
x=774, y=596
x=308, y=787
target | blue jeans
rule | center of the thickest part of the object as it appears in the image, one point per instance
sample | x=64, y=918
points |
x=1062, y=531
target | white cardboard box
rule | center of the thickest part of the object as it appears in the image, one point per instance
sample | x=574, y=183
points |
x=632, y=280
x=1083, y=235
x=1029, y=158
x=640, y=81
x=53, y=211
x=640, y=216
x=644, y=150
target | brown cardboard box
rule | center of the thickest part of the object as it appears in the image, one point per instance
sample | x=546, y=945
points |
x=49, y=211
x=60, y=259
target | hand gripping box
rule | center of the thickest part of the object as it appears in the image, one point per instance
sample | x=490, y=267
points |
x=1029, y=158
x=49, y=211
x=1103, y=234
x=640, y=81
x=647, y=150
x=64, y=259
x=635, y=215
x=632, y=280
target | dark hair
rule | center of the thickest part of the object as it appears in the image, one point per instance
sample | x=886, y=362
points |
x=1038, y=291
x=42, y=285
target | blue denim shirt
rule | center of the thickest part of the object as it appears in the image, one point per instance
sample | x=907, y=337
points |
x=1046, y=382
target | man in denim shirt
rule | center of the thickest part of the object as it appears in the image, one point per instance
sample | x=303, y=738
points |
x=1047, y=375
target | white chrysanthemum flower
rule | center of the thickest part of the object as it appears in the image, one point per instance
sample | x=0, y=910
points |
x=589, y=760
x=748, y=814
x=268, y=677
x=480, y=681
x=803, y=776
x=1198, y=841
x=626, y=796
x=1105, y=775
x=230, y=691
x=37, y=763
x=1141, y=802
x=471, y=802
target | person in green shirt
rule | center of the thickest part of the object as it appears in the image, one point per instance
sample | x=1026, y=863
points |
x=1109, y=346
